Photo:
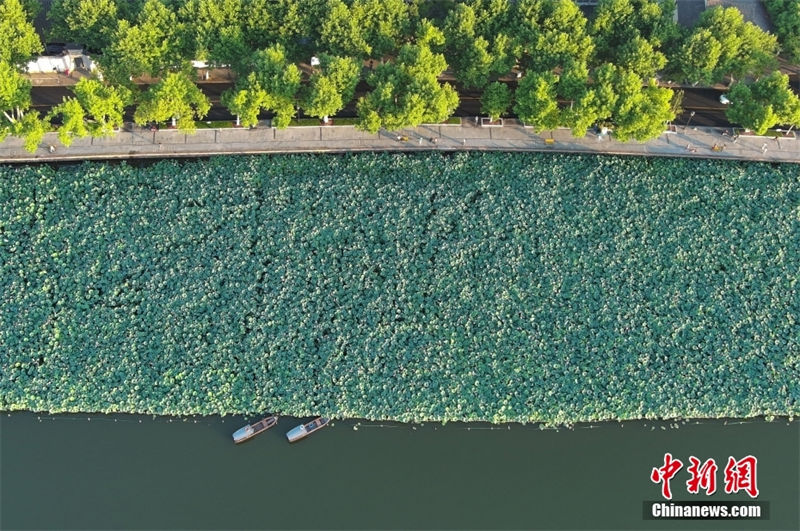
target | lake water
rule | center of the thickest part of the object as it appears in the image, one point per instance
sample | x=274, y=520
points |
x=69, y=472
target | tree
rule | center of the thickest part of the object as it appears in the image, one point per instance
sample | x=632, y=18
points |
x=641, y=58
x=407, y=92
x=699, y=56
x=785, y=15
x=72, y=120
x=641, y=113
x=31, y=128
x=341, y=34
x=103, y=105
x=553, y=32
x=15, y=99
x=764, y=104
x=175, y=97
x=496, y=100
x=467, y=52
x=617, y=22
x=214, y=31
x=89, y=22
x=743, y=49
x=150, y=46
x=573, y=80
x=246, y=101
x=536, y=102
x=18, y=38
x=332, y=87
x=294, y=24
x=280, y=80
x=588, y=109
x=272, y=85
x=494, y=17
x=384, y=24
x=15, y=102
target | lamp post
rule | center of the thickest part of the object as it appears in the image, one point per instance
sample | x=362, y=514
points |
x=691, y=115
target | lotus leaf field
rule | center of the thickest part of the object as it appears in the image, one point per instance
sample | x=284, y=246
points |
x=498, y=287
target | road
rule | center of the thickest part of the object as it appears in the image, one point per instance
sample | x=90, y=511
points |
x=704, y=102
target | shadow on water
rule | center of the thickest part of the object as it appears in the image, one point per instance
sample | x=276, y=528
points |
x=126, y=471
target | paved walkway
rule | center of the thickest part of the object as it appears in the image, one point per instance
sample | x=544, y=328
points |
x=143, y=143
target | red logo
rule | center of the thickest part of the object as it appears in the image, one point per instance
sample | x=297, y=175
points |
x=665, y=473
x=739, y=475
x=703, y=476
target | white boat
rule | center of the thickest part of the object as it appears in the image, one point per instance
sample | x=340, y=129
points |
x=295, y=434
x=242, y=434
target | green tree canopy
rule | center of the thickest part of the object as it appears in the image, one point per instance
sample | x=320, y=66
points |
x=641, y=112
x=496, y=100
x=73, y=122
x=616, y=22
x=103, y=105
x=246, y=100
x=640, y=57
x=31, y=128
x=18, y=39
x=332, y=87
x=536, y=102
x=384, y=23
x=553, y=32
x=407, y=92
x=280, y=79
x=89, y=22
x=294, y=24
x=699, y=56
x=341, y=33
x=741, y=48
x=15, y=101
x=15, y=95
x=214, y=31
x=785, y=15
x=467, y=53
x=150, y=46
x=175, y=97
x=764, y=104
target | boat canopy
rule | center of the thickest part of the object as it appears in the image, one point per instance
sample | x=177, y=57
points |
x=242, y=432
x=296, y=433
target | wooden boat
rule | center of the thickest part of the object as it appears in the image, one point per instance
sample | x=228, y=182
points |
x=242, y=434
x=295, y=434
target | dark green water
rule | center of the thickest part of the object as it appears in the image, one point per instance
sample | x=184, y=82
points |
x=67, y=472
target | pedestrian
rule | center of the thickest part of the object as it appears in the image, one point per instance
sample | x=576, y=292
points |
x=463, y=141
x=420, y=141
x=399, y=138
x=51, y=148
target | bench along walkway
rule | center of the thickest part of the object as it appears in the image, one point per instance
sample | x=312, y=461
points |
x=142, y=143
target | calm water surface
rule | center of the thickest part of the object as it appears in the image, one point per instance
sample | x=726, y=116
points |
x=68, y=472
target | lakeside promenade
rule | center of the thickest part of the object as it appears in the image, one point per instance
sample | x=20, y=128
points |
x=139, y=142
